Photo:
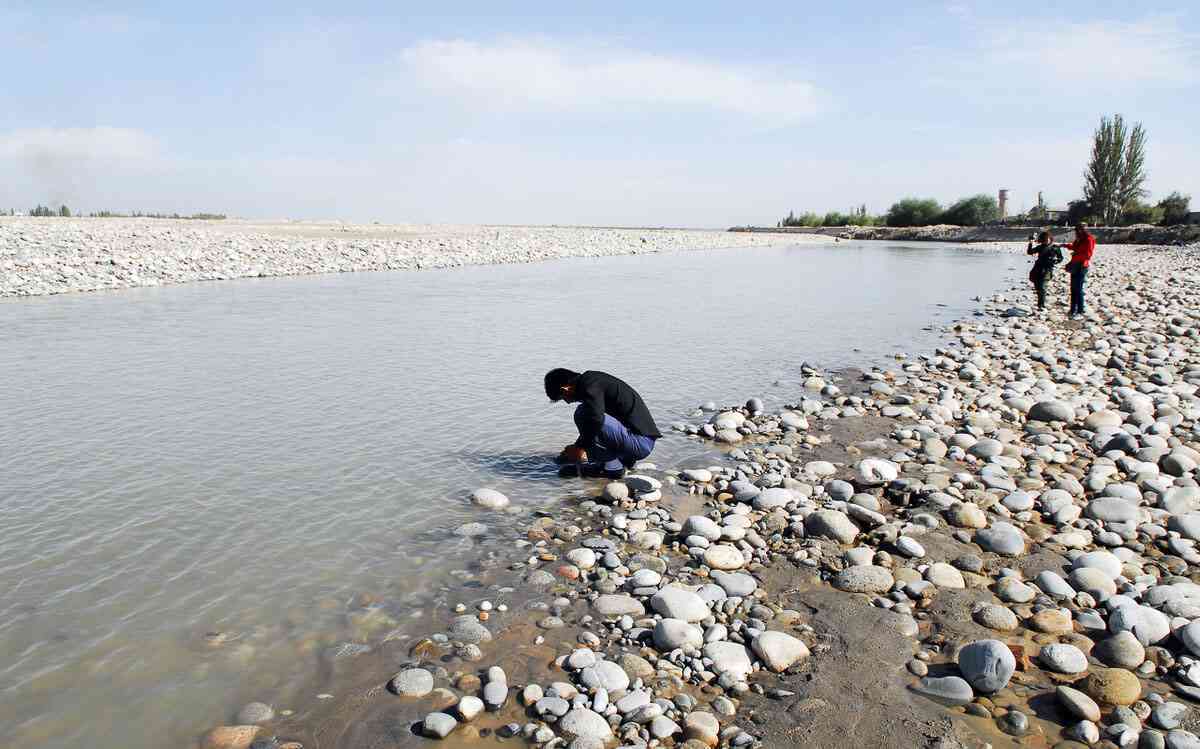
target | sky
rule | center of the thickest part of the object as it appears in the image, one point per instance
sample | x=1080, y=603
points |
x=643, y=114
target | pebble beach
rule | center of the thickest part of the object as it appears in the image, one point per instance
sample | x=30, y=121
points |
x=992, y=543
x=988, y=544
x=41, y=256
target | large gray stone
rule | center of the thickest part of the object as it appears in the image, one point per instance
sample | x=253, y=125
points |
x=585, y=724
x=987, y=665
x=1078, y=704
x=677, y=603
x=489, y=498
x=724, y=557
x=412, y=682
x=1064, y=659
x=438, y=725
x=769, y=499
x=1122, y=650
x=1187, y=524
x=1001, y=538
x=468, y=629
x=1189, y=635
x=737, y=584
x=606, y=675
x=831, y=524
x=698, y=525
x=948, y=690
x=1105, y=561
x=1112, y=510
x=1052, y=410
x=1052, y=584
x=876, y=471
x=729, y=658
x=1180, y=499
x=670, y=634
x=618, y=605
x=996, y=617
x=864, y=579
x=779, y=651
x=1150, y=626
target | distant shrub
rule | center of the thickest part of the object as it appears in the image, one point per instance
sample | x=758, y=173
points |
x=1175, y=208
x=973, y=211
x=1138, y=212
x=914, y=212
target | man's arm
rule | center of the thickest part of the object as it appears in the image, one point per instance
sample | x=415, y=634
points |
x=590, y=418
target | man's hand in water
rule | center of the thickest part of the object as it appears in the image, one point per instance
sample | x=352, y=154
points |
x=573, y=454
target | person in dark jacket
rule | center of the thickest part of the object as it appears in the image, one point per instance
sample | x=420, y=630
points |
x=1048, y=255
x=615, y=428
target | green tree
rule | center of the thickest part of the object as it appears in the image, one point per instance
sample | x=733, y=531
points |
x=914, y=212
x=1137, y=212
x=1175, y=208
x=973, y=211
x=835, y=218
x=64, y=211
x=1116, y=173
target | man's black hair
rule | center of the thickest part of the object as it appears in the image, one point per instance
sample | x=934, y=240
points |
x=555, y=379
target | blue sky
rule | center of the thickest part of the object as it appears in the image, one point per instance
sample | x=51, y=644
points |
x=690, y=114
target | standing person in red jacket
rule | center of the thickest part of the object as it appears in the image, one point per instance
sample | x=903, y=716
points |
x=1081, y=257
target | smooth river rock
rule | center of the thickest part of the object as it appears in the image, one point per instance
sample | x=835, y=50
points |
x=987, y=665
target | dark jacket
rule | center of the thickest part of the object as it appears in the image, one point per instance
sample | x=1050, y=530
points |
x=1048, y=255
x=599, y=393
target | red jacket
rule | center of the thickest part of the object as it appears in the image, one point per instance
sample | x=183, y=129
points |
x=1082, y=249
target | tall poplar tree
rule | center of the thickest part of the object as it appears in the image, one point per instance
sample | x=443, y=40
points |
x=1116, y=174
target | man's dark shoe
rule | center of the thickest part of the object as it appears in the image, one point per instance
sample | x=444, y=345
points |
x=615, y=475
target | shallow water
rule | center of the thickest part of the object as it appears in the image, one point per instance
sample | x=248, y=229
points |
x=260, y=457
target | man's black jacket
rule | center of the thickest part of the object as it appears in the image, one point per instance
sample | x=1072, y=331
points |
x=600, y=393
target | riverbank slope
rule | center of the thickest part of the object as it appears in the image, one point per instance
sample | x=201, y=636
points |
x=41, y=256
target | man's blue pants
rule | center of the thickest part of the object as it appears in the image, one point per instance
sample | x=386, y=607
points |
x=1078, y=277
x=616, y=447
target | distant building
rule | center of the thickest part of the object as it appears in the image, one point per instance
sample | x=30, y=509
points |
x=1048, y=215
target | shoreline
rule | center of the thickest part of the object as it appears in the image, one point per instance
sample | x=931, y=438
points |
x=1117, y=235
x=40, y=257
x=938, y=549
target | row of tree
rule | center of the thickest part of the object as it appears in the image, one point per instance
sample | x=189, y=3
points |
x=856, y=217
x=63, y=211
x=972, y=211
x=139, y=214
x=1114, y=189
x=44, y=210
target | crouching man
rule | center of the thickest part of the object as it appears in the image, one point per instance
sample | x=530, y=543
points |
x=616, y=429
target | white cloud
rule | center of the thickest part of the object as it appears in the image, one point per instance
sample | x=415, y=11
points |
x=65, y=165
x=522, y=74
x=78, y=144
x=1091, y=54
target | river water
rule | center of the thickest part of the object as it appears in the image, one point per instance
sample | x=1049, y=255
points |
x=261, y=458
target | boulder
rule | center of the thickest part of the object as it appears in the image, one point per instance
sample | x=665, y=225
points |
x=987, y=665
x=779, y=651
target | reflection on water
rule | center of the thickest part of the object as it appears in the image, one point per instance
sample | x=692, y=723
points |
x=281, y=462
x=512, y=465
